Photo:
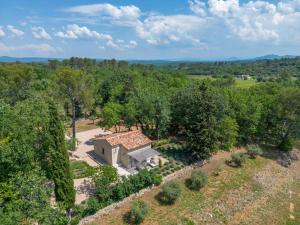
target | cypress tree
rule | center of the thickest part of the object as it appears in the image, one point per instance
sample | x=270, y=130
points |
x=59, y=160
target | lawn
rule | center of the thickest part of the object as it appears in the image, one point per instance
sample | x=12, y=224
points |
x=81, y=169
x=257, y=193
x=244, y=83
x=238, y=82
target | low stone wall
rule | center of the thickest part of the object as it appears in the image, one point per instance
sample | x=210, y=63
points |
x=108, y=209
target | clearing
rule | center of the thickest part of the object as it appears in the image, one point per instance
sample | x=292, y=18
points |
x=260, y=192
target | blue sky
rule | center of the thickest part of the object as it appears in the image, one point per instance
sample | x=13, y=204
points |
x=149, y=29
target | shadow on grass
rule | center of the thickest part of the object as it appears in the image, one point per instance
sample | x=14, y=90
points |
x=178, y=153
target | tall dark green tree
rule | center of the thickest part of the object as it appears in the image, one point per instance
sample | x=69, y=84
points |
x=196, y=113
x=59, y=161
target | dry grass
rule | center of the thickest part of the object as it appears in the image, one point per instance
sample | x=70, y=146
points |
x=257, y=193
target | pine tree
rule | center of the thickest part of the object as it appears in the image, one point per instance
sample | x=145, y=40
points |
x=59, y=161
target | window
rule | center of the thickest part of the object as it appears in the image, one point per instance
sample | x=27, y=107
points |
x=102, y=151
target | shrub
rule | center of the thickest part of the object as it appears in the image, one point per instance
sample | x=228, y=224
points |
x=253, y=151
x=170, y=192
x=138, y=211
x=92, y=207
x=237, y=159
x=156, y=178
x=217, y=171
x=286, y=145
x=160, y=142
x=160, y=163
x=197, y=180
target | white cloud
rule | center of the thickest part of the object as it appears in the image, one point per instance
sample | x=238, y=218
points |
x=252, y=21
x=15, y=31
x=259, y=21
x=2, y=33
x=166, y=29
x=198, y=7
x=32, y=48
x=40, y=33
x=133, y=43
x=124, y=15
x=121, y=45
x=74, y=31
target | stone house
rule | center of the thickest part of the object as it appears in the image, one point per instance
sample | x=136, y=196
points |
x=129, y=149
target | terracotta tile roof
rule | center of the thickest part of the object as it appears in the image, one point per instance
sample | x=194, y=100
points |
x=129, y=140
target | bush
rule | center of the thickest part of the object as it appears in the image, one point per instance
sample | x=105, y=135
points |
x=160, y=163
x=170, y=192
x=71, y=144
x=160, y=142
x=138, y=211
x=253, y=151
x=197, y=180
x=286, y=145
x=237, y=159
x=92, y=207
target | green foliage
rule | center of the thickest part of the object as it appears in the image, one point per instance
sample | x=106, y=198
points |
x=197, y=180
x=81, y=169
x=59, y=165
x=105, y=175
x=286, y=144
x=253, y=151
x=111, y=115
x=138, y=211
x=228, y=133
x=170, y=192
x=237, y=159
x=71, y=144
x=200, y=123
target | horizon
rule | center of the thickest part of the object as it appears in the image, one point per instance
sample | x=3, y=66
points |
x=135, y=30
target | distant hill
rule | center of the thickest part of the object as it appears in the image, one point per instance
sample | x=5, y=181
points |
x=8, y=59
x=272, y=57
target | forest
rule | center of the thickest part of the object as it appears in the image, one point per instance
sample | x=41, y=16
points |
x=263, y=70
x=38, y=102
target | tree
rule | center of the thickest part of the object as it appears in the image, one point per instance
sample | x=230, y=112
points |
x=111, y=115
x=26, y=197
x=228, y=133
x=77, y=88
x=285, y=123
x=60, y=170
x=200, y=122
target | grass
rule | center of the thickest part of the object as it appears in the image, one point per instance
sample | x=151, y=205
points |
x=244, y=83
x=239, y=83
x=81, y=169
x=196, y=205
x=297, y=144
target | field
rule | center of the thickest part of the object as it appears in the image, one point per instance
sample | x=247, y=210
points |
x=238, y=82
x=261, y=192
x=244, y=83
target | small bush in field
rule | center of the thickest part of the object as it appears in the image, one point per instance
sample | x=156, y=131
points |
x=170, y=192
x=197, y=180
x=138, y=212
x=237, y=159
x=253, y=151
